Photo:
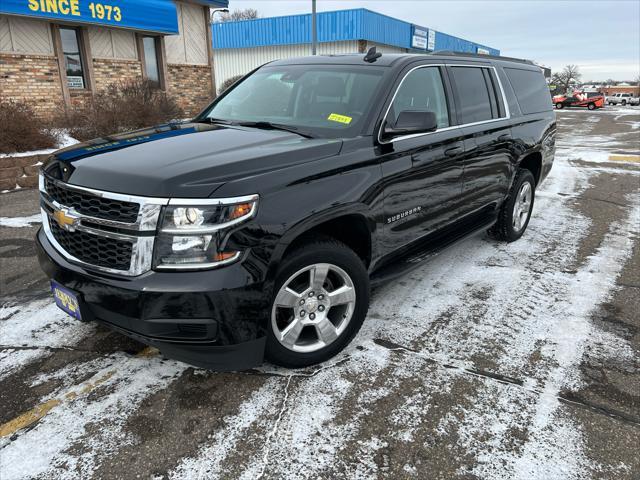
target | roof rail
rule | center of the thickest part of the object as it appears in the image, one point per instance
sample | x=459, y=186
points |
x=481, y=55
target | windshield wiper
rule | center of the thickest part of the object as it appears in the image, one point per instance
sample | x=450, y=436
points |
x=214, y=120
x=276, y=126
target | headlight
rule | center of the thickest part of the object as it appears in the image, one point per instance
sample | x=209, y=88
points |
x=191, y=234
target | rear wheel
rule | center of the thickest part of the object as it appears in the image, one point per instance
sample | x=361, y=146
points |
x=515, y=213
x=321, y=299
x=559, y=105
x=624, y=103
x=591, y=106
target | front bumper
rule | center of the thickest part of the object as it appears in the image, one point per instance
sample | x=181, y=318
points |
x=214, y=319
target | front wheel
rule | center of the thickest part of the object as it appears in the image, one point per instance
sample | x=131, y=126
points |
x=559, y=105
x=624, y=103
x=591, y=106
x=321, y=299
x=515, y=212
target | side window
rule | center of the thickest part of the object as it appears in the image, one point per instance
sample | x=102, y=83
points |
x=476, y=94
x=421, y=89
x=531, y=90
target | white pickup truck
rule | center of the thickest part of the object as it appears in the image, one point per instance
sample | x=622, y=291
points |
x=623, y=99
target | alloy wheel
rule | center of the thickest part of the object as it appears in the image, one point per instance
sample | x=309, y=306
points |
x=522, y=206
x=313, y=307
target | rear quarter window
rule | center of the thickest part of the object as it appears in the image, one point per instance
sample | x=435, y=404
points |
x=531, y=90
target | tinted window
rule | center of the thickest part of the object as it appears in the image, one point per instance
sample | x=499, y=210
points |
x=422, y=89
x=531, y=90
x=473, y=93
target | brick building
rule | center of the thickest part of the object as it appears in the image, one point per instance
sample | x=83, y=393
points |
x=57, y=52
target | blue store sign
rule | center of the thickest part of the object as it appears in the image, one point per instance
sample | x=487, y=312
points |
x=148, y=15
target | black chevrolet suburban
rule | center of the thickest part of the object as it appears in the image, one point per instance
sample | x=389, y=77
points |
x=258, y=228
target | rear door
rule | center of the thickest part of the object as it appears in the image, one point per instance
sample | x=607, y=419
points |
x=483, y=116
x=422, y=172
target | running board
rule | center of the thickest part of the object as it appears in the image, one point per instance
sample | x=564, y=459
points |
x=426, y=249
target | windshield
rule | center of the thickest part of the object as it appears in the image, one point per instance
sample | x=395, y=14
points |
x=320, y=99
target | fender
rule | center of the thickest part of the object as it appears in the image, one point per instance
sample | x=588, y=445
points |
x=317, y=219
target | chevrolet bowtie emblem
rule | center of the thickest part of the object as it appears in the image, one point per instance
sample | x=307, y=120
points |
x=66, y=220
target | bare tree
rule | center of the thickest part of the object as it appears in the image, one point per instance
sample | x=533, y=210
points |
x=569, y=75
x=638, y=80
x=246, y=14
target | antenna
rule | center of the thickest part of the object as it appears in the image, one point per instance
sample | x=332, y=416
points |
x=372, y=55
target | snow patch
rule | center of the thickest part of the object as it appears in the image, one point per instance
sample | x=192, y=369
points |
x=20, y=222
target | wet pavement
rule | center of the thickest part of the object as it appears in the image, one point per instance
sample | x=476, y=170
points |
x=492, y=361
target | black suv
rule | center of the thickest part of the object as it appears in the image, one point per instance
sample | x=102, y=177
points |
x=258, y=228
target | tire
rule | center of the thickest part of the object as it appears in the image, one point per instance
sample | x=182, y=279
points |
x=306, y=328
x=591, y=106
x=509, y=228
x=624, y=103
x=559, y=106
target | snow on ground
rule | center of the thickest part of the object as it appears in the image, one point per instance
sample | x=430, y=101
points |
x=20, y=222
x=35, y=330
x=124, y=382
x=65, y=141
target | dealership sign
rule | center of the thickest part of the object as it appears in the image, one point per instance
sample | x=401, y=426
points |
x=419, y=38
x=148, y=15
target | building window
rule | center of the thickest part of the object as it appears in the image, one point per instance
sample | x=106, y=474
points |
x=151, y=63
x=73, y=58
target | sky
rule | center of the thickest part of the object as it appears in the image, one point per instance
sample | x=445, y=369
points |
x=601, y=37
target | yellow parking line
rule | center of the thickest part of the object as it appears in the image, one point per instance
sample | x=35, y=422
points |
x=36, y=413
x=624, y=158
x=39, y=411
x=28, y=418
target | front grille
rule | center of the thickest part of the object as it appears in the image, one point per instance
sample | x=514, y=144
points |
x=92, y=205
x=95, y=250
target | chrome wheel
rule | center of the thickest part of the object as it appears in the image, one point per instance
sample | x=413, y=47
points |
x=313, y=307
x=522, y=206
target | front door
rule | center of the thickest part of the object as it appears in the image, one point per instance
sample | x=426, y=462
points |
x=422, y=172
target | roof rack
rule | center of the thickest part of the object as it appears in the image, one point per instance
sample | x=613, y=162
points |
x=481, y=55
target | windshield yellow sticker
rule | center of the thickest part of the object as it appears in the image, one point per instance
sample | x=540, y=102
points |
x=334, y=117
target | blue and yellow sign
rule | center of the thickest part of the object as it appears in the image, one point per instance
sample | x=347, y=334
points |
x=147, y=15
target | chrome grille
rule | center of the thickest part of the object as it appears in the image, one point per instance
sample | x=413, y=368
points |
x=109, y=232
x=93, y=249
x=92, y=205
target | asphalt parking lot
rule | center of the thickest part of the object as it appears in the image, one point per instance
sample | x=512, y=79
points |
x=493, y=361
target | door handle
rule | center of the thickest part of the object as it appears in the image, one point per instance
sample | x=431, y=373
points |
x=504, y=137
x=452, y=152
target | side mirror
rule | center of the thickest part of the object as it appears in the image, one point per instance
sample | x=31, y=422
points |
x=412, y=121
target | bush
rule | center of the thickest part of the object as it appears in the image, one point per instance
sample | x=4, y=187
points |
x=121, y=107
x=21, y=130
x=228, y=82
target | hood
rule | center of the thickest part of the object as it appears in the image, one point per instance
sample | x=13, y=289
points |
x=189, y=160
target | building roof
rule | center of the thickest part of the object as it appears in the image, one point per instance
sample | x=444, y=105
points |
x=336, y=26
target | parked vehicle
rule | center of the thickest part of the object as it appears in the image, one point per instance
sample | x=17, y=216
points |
x=623, y=99
x=259, y=227
x=591, y=100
